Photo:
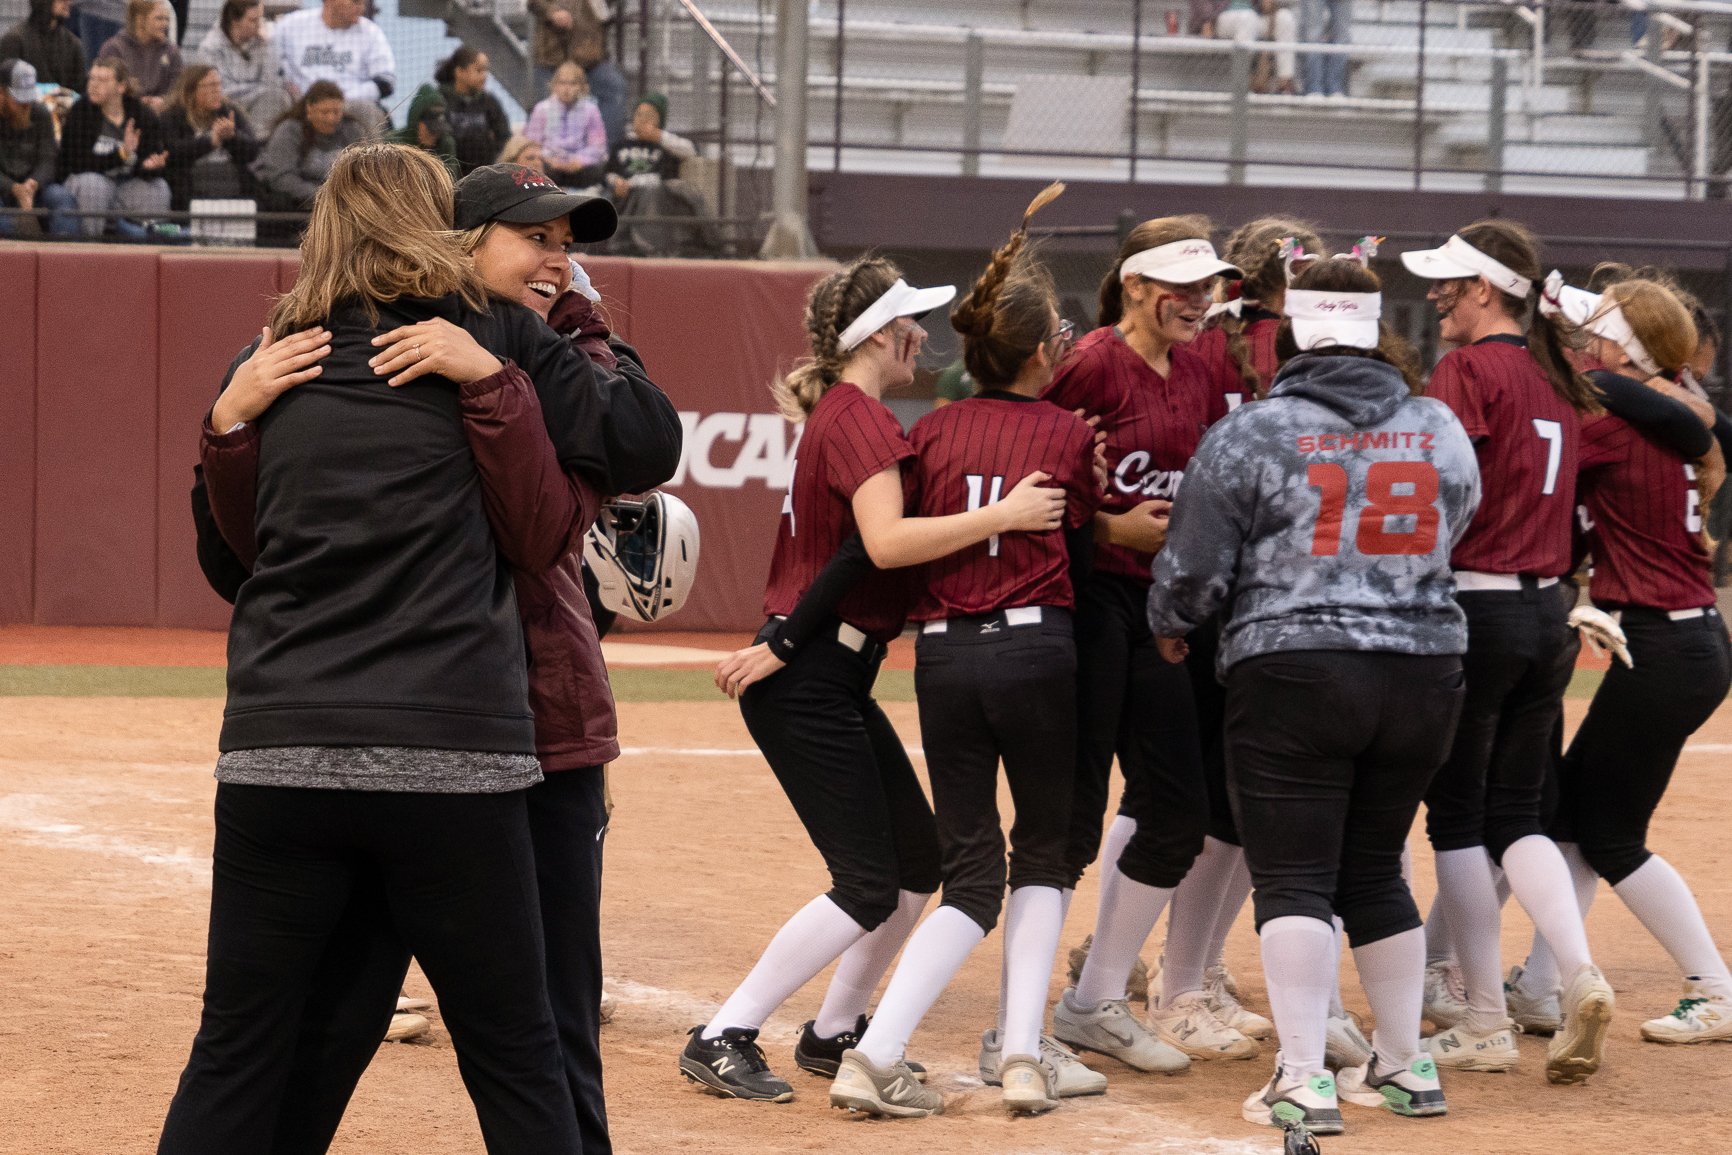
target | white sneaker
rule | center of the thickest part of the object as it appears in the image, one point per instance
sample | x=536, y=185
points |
x=1579, y=1047
x=1412, y=1090
x=406, y=1026
x=1136, y=986
x=892, y=1091
x=1445, y=994
x=609, y=1005
x=1346, y=1045
x=1698, y=1018
x=1189, y=1025
x=1071, y=1076
x=1229, y=1010
x=1285, y=1100
x=1227, y=980
x=1109, y=1028
x=1460, y=1049
x=1534, y=1014
x=1028, y=1085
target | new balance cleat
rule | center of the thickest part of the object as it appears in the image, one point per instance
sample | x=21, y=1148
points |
x=1136, y=987
x=1462, y=1049
x=1579, y=1047
x=1534, y=1014
x=1411, y=1090
x=1109, y=1028
x=1190, y=1025
x=405, y=1026
x=1345, y=1045
x=732, y=1065
x=1070, y=1076
x=892, y=1091
x=1284, y=1100
x=1028, y=1085
x=1445, y=994
x=1229, y=1010
x=817, y=1055
x=1698, y=1018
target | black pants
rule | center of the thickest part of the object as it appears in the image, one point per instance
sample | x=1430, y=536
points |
x=456, y=877
x=1328, y=754
x=843, y=767
x=1134, y=703
x=1520, y=656
x=1211, y=698
x=989, y=690
x=1622, y=757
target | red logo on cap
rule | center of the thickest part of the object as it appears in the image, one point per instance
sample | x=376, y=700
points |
x=529, y=178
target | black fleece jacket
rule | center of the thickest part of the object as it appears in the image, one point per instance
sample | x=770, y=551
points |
x=82, y=131
x=379, y=612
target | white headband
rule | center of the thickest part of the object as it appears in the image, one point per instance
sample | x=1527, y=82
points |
x=1457, y=258
x=1322, y=318
x=899, y=300
x=1176, y=263
x=1598, y=315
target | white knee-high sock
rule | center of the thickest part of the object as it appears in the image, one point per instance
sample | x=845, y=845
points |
x=1336, y=1010
x=1113, y=845
x=1296, y=954
x=1438, y=946
x=1540, y=972
x=1469, y=899
x=1196, y=908
x=1392, y=974
x=807, y=943
x=1658, y=896
x=1122, y=926
x=1232, y=902
x=1033, y=918
x=934, y=954
x=1064, y=897
x=1541, y=881
x=1585, y=878
x=863, y=964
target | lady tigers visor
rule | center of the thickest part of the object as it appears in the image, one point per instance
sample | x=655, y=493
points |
x=1456, y=258
x=899, y=300
x=1177, y=263
x=1597, y=314
x=1321, y=318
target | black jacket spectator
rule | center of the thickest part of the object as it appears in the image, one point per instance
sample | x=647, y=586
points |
x=187, y=146
x=478, y=123
x=28, y=153
x=84, y=148
x=43, y=40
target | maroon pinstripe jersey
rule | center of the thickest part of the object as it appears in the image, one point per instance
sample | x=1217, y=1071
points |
x=1211, y=345
x=848, y=439
x=972, y=453
x=1527, y=439
x=1644, y=519
x=1152, y=423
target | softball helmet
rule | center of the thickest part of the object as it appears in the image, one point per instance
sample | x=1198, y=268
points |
x=644, y=553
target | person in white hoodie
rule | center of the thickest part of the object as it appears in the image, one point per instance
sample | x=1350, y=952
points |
x=247, y=60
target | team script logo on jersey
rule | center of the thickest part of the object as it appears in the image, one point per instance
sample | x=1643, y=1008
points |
x=765, y=453
x=1134, y=476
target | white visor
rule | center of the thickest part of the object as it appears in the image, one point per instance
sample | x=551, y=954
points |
x=1597, y=315
x=1236, y=307
x=1321, y=319
x=1457, y=258
x=1178, y=263
x=899, y=300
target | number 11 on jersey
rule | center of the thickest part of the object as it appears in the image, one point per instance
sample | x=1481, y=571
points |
x=977, y=482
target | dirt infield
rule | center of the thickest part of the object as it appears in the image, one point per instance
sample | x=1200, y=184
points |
x=105, y=832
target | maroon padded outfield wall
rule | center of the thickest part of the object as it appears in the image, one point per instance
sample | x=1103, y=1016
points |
x=110, y=356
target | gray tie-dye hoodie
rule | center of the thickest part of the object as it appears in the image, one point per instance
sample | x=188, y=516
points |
x=1274, y=523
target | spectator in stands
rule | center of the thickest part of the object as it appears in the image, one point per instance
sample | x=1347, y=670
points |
x=111, y=151
x=572, y=30
x=152, y=60
x=429, y=127
x=1326, y=22
x=339, y=44
x=568, y=125
x=643, y=176
x=1204, y=15
x=210, y=141
x=1275, y=21
x=43, y=41
x=478, y=122
x=303, y=145
x=94, y=22
x=28, y=155
x=521, y=150
x=251, y=69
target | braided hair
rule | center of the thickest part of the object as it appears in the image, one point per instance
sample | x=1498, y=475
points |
x=1255, y=247
x=1007, y=315
x=831, y=307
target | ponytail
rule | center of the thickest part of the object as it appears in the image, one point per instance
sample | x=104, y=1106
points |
x=446, y=72
x=831, y=307
x=1255, y=247
x=1007, y=315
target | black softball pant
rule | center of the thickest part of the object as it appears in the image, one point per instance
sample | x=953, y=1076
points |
x=1328, y=755
x=453, y=874
x=1623, y=754
x=1134, y=703
x=989, y=691
x=1211, y=698
x=843, y=767
x=364, y=966
x=1520, y=656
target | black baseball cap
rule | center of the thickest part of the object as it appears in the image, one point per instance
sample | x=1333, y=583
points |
x=522, y=196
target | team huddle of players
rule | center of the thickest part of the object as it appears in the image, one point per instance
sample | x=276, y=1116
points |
x=1229, y=539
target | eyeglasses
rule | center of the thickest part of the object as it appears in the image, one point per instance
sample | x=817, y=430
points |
x=1065, y=335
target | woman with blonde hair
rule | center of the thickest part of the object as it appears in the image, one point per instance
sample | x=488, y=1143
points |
x=210, y=141
x=379, y=741
x=521, y=150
